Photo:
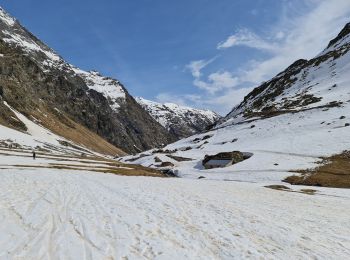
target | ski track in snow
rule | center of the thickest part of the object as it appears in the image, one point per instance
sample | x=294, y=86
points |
x=51, y=214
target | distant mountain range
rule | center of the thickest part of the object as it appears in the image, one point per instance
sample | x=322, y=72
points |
x=179, y=120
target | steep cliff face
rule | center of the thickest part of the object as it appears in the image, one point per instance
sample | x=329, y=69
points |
x=37, y=82
x=180, y=120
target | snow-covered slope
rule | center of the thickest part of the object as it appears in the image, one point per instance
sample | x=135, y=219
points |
x=38, y=138
x=321, y=81
x=287, y=123
x=181, y=120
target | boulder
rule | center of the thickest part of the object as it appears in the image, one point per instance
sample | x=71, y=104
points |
x=222, y=160
x=166, y=164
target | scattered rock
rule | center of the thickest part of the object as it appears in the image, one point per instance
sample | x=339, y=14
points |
x=308, y=191
x=179, y=158
x=164, y=151
x=277, y=187
x=234, y=140
x=169, y=172
x=157, y=159
x=252, y=126
x=206, y=137
x=201, y=177
x=276, y=164
x=196, y=140
x=347, y=124
x=166, y=164
x=342, y=117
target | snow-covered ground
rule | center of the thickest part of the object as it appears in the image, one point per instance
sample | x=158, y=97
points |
x=77, y=215
x=279, y=145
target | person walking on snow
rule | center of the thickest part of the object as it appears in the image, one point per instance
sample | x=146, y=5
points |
x=34, y=155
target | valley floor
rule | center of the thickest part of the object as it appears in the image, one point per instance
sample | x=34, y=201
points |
x=67, y=214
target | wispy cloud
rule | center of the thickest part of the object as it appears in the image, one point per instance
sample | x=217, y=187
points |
x=297, y=37
x=196, y=66
x=244, y=37
x=303, y=30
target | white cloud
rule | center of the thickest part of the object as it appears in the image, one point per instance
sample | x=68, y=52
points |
x=244, y=37
x=196, y=66
x=217, y=81
x=299, y=37
x=226, y=101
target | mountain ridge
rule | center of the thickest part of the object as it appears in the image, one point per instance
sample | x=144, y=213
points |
x=276, y=96
x=183, y=121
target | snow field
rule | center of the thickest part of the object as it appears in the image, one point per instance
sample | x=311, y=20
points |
x=77, y=215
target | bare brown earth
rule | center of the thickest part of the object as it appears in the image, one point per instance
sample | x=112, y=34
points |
x=333, y=172
x=284, y=188
x=132, y=170
x=62, y=125
x=72, y=162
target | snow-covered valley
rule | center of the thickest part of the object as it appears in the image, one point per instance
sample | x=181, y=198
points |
x=80, y=177
x=55, y=214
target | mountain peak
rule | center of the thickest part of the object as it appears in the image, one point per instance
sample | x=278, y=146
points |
x=344, y=33
x=183, y=121
x=6, y=18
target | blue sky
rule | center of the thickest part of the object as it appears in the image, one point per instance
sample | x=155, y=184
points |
x=202, y=53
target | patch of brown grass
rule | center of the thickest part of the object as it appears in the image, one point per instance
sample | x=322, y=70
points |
x=334, y=172
x=285, y=188
x=135, y=171
x=64, y=126
x=277, y=187
x=308, y=191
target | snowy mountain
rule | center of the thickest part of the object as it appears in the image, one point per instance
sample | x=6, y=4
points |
x=38, y=83
x=180, y=120
x=289, y=124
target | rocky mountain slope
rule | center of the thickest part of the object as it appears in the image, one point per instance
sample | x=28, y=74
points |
x=180, y=120
x=302, y=85
x=292, y=123
x=84, y=107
